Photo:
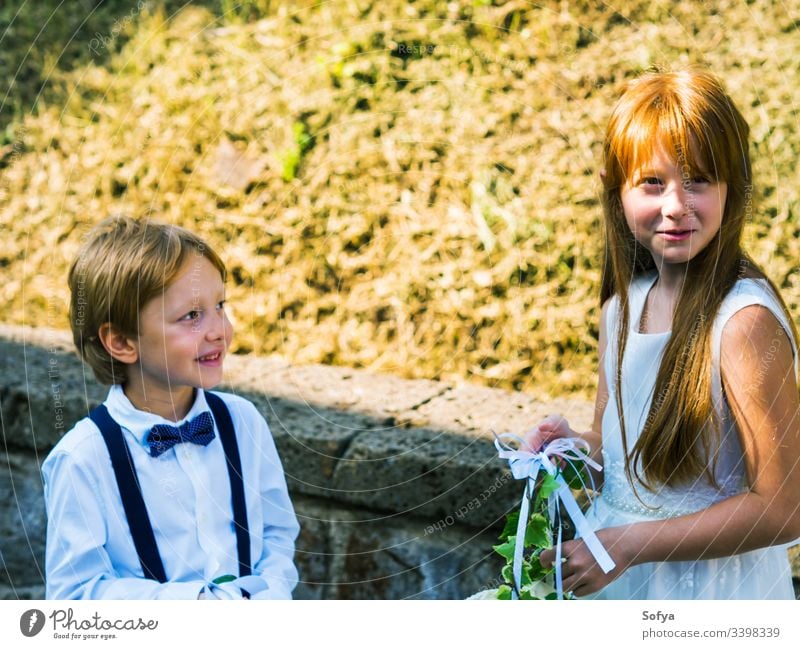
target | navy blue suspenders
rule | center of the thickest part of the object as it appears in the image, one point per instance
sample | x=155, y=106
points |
x=144, y=539
x=234, y=463
x=132, y=502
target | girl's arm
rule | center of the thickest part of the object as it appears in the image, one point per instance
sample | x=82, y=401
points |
x=759, y=380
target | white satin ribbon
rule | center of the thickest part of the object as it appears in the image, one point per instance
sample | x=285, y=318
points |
x=525, y=465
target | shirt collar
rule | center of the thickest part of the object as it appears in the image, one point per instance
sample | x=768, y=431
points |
x=139, y=422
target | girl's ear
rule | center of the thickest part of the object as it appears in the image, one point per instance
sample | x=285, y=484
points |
x=603, y=175
x=120, y=346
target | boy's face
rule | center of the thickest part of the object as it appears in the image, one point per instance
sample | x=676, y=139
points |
x=183, y=334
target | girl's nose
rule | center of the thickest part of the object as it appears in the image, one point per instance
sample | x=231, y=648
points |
x=675, y=202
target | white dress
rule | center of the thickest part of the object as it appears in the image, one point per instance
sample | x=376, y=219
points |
x=760, y=574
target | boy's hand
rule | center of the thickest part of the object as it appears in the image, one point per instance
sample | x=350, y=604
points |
x=550, y=428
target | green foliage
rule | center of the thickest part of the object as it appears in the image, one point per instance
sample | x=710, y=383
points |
x=506, y=550
x=549, y=485
x=510, y=528
x=448, y=223
x=303, y=142
x=536, y=581
x=576, y=476
x=244, y=10
x=538, y=532
x=42, y=39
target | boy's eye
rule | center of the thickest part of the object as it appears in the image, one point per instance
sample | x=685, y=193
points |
x=221, y=304
x=192, y=315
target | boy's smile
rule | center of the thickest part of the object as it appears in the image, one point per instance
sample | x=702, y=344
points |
x=184, y=334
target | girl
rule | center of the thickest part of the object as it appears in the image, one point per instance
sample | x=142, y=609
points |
x=696, y=419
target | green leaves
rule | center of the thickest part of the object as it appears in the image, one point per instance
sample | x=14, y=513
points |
x=576, y=475
x=504, y=592
x=548, y=486
x=536, y=582
x=510, y=528
x=538, y=533
x=291, y=158
x=506, y=550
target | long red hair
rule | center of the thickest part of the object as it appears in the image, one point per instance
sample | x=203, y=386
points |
x=688, y=115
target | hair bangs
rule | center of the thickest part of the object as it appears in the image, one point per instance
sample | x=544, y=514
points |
x=663, y=124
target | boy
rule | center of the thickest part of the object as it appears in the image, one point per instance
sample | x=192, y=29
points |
x=165, y=487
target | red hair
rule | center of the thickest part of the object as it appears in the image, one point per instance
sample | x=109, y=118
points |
x=688, y=115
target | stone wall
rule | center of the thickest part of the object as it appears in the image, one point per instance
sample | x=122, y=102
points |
x=396, y=483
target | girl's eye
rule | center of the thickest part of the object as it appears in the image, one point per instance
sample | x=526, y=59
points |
x=700, y=180
x=650, y=180
x=192, y=315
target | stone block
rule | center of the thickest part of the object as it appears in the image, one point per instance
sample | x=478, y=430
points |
x=476, y=410
x=391, y=557
x=22, y=592
x=313, y=548
x=310, y=441
x=22, y=521
x=45, y=391
x=350, y=553
x=432, y=475
x=386, y=399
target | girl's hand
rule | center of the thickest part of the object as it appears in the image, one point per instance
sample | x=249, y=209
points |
x=550, y=428
x=579, y=571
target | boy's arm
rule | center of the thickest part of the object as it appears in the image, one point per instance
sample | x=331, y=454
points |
x=77, y=564
x=276, y=563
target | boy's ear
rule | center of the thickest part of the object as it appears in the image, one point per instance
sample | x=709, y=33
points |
x=603, y=174
x=120, y=346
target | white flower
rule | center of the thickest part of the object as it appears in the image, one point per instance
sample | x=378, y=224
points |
x=539, y=589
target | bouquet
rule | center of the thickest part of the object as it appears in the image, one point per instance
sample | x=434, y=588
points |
x=550, y=475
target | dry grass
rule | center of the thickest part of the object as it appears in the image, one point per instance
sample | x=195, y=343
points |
x=405, y=187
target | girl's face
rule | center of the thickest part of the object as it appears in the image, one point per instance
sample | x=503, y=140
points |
x=671, y=210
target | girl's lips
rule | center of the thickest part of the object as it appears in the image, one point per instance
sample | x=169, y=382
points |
x=676, y=235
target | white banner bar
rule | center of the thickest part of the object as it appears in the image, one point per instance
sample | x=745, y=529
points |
x=401, y=624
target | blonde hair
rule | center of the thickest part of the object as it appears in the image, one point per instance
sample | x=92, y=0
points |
x=123, y=265
x=688, y=114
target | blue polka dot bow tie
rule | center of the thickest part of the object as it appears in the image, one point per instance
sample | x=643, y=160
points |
x=163, y=437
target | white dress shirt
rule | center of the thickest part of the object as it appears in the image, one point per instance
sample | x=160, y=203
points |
x=90, y=552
